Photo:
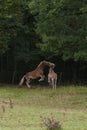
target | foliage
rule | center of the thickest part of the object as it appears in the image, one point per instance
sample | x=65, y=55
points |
x=10, y=17
x=24, y=43
x=17, y=36
x=51, y=123
x=17, y=29
x=62, y=26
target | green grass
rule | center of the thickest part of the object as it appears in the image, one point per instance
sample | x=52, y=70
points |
x=67, y=104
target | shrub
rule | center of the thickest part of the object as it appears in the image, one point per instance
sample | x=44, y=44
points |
x=51, y=123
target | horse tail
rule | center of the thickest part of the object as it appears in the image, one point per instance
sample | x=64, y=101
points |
x=22, y=80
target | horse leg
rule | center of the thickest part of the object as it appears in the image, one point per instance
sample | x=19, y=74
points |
x=53, y=83
x=41, y=78
x=27, y=83
x=56, y=81
x=49, y=81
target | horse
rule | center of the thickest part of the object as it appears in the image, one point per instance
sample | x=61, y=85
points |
x=37, y=73
x=52, y=78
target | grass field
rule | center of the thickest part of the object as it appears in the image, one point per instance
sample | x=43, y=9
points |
x=67, y=104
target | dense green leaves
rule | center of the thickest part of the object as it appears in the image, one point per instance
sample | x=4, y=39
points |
x=60, y=24
x=10, y=18
x=63, y=27
x=17, y=29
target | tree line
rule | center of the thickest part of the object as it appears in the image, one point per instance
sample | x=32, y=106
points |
x=34, y=30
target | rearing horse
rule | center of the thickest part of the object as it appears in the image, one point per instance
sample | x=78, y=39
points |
x=38, y=72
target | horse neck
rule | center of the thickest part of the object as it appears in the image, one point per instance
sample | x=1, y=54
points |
x=40, y=67
x=50, y=70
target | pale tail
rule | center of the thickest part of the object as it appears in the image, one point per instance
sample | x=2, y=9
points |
x=22, y=80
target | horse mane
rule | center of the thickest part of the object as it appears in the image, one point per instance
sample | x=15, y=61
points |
x=46, y=63
x=39, y=64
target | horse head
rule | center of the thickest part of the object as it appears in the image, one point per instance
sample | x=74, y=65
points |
x=50, y=64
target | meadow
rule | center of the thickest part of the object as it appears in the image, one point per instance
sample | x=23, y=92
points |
x=67, y=104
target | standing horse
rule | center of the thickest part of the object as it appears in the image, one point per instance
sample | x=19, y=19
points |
x=37, y=73
x=52, y=77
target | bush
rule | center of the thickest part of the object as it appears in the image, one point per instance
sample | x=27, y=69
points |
x=51, y=123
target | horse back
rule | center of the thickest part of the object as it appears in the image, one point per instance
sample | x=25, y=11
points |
x=33, y=74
